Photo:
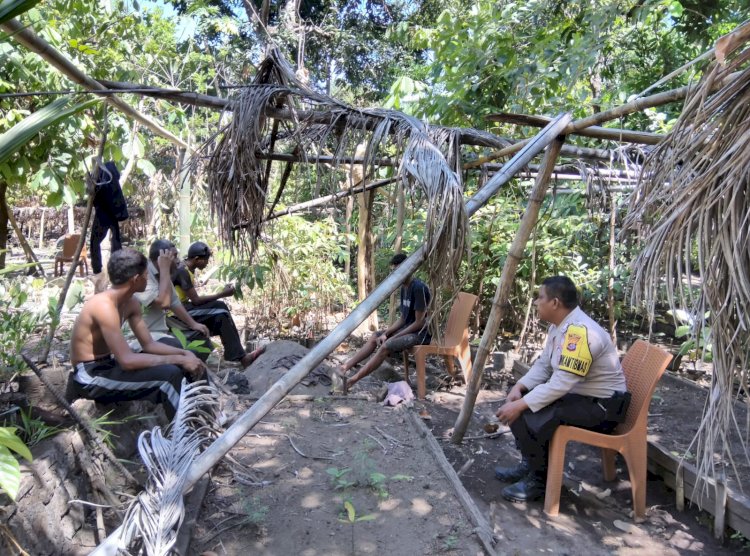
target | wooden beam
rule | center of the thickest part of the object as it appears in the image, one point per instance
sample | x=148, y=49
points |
x=623, y=135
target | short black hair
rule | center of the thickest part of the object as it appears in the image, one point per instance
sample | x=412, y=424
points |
x=398, y=258
x=157, y=247
x=125, y=263
x=563, y=289
x=199, y=250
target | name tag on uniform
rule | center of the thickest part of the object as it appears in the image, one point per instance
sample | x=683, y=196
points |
x=575, y=357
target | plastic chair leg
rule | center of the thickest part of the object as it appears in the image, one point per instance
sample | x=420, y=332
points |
x=419, y=361
x=608, y=464
x=450, y=365
x=405, y=359
x=637, y=462
x=464, y=357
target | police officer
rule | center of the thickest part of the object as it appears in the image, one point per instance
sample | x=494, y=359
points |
x=577, y=380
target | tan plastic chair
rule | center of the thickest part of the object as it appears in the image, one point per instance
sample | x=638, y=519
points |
x=70, y=242
x=643, y=365
x=455, y=344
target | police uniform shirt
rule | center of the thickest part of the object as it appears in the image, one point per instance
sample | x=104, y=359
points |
x=578, y=358
x=154, y=316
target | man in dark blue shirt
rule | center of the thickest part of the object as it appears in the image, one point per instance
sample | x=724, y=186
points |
x=409, y=330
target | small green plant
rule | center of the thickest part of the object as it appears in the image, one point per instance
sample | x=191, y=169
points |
x=10, y=470
x=349, y=515
x=339, y=478
x=33, y=431
x=255, y=511
x=194, y=345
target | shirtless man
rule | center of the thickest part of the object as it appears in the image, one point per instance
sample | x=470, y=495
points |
x=105, y=368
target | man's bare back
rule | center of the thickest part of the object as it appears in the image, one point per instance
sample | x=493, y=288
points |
x=87, y=340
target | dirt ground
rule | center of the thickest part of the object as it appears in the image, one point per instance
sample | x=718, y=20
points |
x=297, y=470
x=293, y=503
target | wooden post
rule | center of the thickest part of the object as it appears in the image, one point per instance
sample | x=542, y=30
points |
x=611, y=278
x=515, y=254
x=184, y=210
x=400, y=213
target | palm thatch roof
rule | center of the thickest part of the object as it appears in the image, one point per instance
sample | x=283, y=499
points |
x=693, y=208
x=428, y=160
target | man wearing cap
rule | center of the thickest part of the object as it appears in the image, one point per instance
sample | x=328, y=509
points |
x=207, y=309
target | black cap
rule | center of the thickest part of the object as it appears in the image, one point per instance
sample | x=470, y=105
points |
x=199, y=250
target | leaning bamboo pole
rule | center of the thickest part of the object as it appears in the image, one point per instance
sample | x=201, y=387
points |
x=91, y=190
x=502, y=293
x=276, y=393
x=27, y=38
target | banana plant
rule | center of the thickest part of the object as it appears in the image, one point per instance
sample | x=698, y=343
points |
x=11, y=8
x=16, y=137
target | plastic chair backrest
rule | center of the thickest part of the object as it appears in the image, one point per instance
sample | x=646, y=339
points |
x=458, y=320
x=69, y=245
x=643, y=366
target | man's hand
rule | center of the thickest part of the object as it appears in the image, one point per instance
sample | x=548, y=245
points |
x=228, y=291
x=516, y=393
x=193, y=366
x=510, y=411
x=165, y=260
x=202, y=328
x=380, y=340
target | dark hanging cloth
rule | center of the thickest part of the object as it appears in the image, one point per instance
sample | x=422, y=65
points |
x=111, y=209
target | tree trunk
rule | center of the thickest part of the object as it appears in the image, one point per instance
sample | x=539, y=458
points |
x=366, y=253
x=400, y=212
x=348, y=216
x=515, y=253
x=3, y=224
x=611, y=278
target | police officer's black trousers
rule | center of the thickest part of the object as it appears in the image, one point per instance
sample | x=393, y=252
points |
x=534, y=431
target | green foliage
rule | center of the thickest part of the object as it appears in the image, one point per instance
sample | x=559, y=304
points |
x=16, y=326
x=194, y=345
x=33, y=431
x=10, y=470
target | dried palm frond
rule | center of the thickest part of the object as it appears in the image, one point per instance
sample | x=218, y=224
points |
x=693, y=209
x=315, y=124
x=153, y=520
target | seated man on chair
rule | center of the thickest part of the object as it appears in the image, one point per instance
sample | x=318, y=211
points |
x=409, y=330
x=104, y=367
x=207, y=309
x=577, y=380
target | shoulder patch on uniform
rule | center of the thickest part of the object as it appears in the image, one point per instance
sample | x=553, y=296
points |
x=576, y=356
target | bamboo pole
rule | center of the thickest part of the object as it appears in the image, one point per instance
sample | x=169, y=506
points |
x=276, y=393
x=597, y=132
x=323, y=200
x=27, y=38
x=27, y=249
x=515, y=254
x=636, y=105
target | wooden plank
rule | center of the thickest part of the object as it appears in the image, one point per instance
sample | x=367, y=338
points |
x=482, y=528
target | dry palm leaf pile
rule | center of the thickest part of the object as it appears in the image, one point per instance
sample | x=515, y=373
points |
x=694, y=205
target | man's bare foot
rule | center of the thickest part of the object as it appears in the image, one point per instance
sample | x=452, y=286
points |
x=338, y=380
x=249, y=358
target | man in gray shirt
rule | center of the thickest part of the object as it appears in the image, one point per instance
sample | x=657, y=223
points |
x=160, y=297
x=578, y=380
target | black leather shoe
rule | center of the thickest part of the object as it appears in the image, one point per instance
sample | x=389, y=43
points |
x=527, y=489
x=512, y=474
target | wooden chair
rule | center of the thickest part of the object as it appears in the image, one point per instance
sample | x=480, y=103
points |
x=455, y=344
x=70, y=242
x=643, y=365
